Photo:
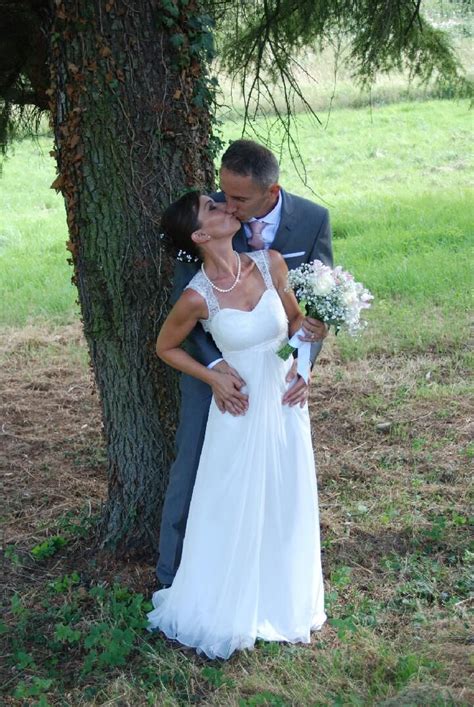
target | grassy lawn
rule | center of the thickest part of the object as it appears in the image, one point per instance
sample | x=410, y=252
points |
x=394, y=445
x=396, y=180
x=398, y=183
x=392, y=420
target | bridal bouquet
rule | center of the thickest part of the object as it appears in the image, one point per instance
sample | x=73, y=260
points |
x=330, y=295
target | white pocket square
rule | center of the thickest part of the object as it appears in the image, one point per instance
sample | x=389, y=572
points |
x=294, y=255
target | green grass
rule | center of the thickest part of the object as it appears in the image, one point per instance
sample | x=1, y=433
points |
x=35, y=278
x=392, y=616
x=396, y=180
x=353, y=667
x=326, y=79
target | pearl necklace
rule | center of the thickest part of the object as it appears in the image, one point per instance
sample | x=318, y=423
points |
x=237, y=277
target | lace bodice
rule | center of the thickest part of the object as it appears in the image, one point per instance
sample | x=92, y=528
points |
x=201, y=285
x=235, y=330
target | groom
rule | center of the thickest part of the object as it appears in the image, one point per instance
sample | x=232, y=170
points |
x=271, y=218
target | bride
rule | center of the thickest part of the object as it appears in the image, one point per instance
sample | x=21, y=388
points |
x=250, y=566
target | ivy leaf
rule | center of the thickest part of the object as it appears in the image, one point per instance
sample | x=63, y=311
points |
x=177, y=40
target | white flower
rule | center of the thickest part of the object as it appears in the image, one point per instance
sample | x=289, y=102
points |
x=323, y=283
x=331, y=295
x=349, y=301
x=322, y=279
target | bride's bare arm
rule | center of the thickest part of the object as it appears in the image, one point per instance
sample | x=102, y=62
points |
x=297, y=394
x=279, y=273
x=179, y=323
x=314, y=330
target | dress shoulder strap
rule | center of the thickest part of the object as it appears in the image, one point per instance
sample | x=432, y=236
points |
x=262, y=261
x=200, y=285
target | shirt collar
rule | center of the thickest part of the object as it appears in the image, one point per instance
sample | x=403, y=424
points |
x=273, y=217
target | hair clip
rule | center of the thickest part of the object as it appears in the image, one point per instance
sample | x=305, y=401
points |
x=184, y=257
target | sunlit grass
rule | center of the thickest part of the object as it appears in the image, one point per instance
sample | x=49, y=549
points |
x=35, y=276
x=396, y=180
x=327, y=80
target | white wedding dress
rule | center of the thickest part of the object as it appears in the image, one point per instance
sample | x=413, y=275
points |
x=251, y=564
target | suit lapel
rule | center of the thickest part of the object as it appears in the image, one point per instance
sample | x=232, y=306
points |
x=282, y=240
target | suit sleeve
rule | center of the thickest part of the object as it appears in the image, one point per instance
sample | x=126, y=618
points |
x=200, y=344
x=322, y=250
x=322, y=244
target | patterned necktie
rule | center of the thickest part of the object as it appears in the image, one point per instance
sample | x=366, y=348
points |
x=256, y=242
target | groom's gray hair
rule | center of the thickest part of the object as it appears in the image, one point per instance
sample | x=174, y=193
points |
x=248, y=158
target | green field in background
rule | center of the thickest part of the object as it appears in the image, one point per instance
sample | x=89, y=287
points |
x=397, y=182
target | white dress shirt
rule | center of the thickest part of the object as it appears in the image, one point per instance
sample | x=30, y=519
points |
x=271, y=220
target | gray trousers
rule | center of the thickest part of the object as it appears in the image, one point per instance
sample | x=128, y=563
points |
x=195, y=401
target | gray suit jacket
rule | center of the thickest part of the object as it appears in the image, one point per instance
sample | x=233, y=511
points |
x=304, y=234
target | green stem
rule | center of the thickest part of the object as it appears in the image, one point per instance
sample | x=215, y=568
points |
x=286, y=351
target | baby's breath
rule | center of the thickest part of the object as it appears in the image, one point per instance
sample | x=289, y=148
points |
x=331, y=295
x=184, y=257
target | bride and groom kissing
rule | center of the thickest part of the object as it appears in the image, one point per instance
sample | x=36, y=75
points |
x=239, y=553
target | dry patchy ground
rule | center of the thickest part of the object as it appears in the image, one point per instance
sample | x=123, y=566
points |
x=393, y=443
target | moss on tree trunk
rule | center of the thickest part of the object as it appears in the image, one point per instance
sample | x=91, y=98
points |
x=131, y=132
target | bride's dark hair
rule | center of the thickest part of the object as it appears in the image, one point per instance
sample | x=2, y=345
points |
x=178, y=222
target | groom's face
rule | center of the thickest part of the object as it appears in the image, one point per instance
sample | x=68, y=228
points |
x=246, y=199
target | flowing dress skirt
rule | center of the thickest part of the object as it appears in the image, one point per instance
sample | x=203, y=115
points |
x=251, y=565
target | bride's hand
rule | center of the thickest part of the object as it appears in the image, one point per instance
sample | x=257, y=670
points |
x=297, y=394
x=226, y=390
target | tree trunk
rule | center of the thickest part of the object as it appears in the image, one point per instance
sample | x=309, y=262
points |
x=130, y=107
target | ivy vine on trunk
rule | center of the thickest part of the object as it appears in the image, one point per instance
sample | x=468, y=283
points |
x=131, y=132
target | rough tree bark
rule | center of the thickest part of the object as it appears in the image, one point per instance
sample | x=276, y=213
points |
x=127, y=75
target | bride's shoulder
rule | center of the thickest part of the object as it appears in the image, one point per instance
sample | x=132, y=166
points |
x=277, y=268
x=271, y=264
x=270, y=257
x=194, y=295
x=276, y=261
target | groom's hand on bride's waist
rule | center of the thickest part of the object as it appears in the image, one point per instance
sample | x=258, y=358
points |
x=297, y=393
x=226, y=388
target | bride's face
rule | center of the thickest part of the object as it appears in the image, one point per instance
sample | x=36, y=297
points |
x=214, y=219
